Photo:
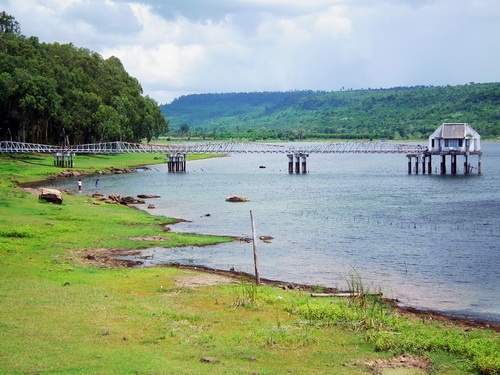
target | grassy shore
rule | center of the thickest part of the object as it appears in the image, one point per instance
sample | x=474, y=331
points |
x=66, y=308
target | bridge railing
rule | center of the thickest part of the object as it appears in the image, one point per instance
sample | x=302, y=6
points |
x=22, y=147
x=212, y=148
x=358, y=147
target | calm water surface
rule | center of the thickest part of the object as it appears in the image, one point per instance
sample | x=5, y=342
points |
x=430, y=241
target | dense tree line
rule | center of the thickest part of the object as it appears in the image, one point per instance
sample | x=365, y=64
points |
x=394, y=113
x=55, y=93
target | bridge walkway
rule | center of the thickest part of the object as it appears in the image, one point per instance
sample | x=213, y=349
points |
x=213, y=147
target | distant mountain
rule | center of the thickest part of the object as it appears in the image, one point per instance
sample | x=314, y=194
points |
x=387, y=113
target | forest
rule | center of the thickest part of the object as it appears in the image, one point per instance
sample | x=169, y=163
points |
x=55, y=93
x=392, y=113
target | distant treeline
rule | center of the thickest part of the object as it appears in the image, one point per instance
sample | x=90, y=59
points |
x=393, y=113
x=55, y=93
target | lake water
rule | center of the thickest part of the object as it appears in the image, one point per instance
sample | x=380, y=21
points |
x=430, y=241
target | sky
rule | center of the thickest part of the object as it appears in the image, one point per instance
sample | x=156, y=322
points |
x=181, y=47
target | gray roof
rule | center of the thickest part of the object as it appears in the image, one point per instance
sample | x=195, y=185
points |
x=454, y=131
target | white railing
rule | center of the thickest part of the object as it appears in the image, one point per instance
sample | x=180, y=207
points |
x=212, y=148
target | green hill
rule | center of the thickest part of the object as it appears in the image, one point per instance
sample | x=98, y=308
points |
x=399, y=112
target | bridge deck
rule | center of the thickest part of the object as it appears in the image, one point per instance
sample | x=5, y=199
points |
x=212, y=147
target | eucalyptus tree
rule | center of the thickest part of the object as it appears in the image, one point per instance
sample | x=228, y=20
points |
x=53, y=93
x=8, y=24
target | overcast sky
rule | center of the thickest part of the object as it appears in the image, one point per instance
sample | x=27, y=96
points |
x=179, y=47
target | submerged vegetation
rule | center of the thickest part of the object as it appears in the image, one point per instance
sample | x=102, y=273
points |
x=62, y=311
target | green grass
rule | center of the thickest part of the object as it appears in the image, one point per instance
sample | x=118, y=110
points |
x=36, y=167
x=61, y=315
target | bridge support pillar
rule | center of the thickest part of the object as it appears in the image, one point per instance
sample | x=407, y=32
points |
x=453, y=164
x=297, y=163
x=300, y=163
x=304, y=163
x=419, y=159
x=63, y=159
x=176, y=162
x=290, y=163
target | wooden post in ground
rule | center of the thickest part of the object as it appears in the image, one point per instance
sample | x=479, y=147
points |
x=254, y=241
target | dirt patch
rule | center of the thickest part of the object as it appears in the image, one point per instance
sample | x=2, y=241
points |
x=30, y=190
x=150, y=238
x=107, y=258
x=202, y=279
x=403, y=362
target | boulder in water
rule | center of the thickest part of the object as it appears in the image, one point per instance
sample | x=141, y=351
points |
x=237, y=198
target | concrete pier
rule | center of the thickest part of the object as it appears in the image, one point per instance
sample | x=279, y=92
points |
x=63, y=159
x=426, y=160
x=300, y=162
x=176, y=162
x=290, y=163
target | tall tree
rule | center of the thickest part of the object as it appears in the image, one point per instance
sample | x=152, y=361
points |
x=8, y=24
x=54, y=93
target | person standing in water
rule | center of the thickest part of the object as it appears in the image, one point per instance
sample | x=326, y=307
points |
x=96, y=182
x=79, y=185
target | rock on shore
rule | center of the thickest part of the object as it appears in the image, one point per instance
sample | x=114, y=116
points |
x=50, y=195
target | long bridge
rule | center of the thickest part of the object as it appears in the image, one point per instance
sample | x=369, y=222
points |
x=213, y=147
x=296, y=152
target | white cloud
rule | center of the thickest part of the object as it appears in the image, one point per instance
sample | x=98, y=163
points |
x=102, y=17
x=334, y=22
x=190, y=46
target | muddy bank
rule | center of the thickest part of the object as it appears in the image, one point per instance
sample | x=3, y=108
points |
x=428, y=315
x=110, y=258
